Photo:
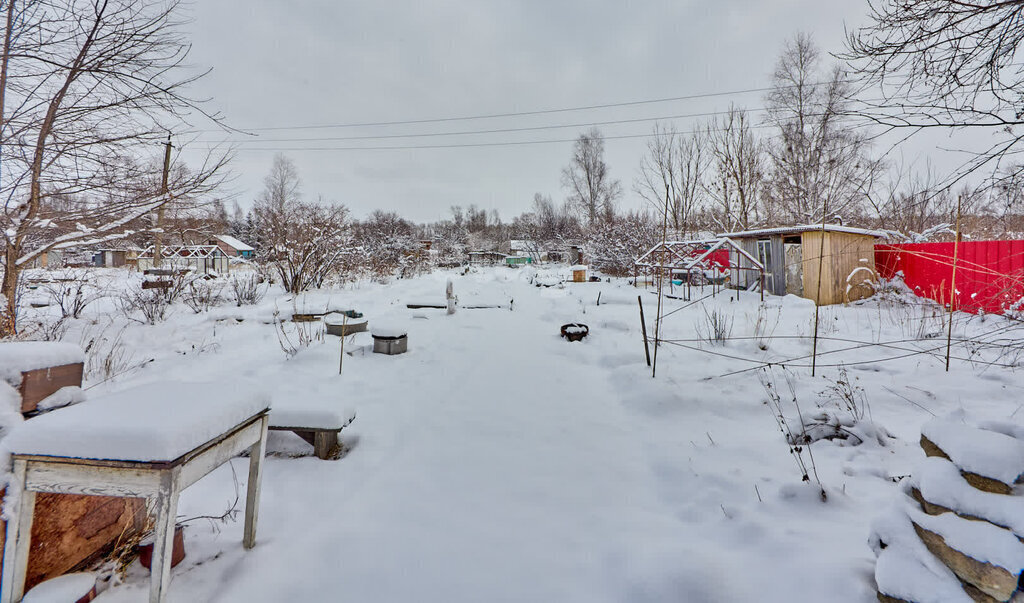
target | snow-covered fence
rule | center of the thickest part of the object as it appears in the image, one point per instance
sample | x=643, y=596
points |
x=955, y=532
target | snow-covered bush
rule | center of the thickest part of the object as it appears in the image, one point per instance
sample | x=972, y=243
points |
x=764, y=326
x=72, y=292
x=153, y=303
x=201, y=295
x=796, y=439
x=248, y=289
x=612, y=247
x=716, y=327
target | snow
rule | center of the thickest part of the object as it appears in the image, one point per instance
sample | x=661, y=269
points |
x=987, y=453
x=17, y=357
x=155, y=422
x=338, y=319
x=63, y=589
x=389, y=331
x=311, y=416
x=499, y=463
x=941, y=483
x=65, y=396
x=905, y=569
x=978, y=539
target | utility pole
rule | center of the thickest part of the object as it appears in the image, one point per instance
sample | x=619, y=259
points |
x=157, y=247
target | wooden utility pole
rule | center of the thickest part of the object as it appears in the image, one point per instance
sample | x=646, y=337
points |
x=164, y=192
x=952, y=284
x=817, y=298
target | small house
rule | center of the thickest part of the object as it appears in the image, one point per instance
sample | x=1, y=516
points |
x=828, y=264
x=486, y=258
x=232, y=247
x=116, y=257
x=518, y=260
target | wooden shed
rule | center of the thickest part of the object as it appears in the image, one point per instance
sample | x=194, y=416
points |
x=792, y=256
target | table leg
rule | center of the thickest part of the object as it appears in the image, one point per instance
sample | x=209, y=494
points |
x=163, y=542
x=252, y=497
x=18, y=539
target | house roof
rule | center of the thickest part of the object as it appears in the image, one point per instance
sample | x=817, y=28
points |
x=801, y=228
x=234, y=243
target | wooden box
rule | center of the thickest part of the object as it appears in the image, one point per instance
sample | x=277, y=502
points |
x=70, y=530
x=38, y=384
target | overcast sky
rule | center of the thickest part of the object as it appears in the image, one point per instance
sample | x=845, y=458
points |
x=329, y=62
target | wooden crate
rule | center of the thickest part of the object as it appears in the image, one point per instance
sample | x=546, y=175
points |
x=71, y=531
x=38, y=384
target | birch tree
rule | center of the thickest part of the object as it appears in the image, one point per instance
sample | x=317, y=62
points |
x=590, y=187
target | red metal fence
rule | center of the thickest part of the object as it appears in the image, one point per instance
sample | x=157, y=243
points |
x=989, y=274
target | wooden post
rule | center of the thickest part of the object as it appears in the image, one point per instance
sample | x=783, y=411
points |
x=252, y=496
x=344, y=334
x=158, y=240
x=952, y=284
x=817, y=297
x=643, y=329
x=18, y=539
x=163, y=539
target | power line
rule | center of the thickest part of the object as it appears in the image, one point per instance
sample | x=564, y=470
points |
x=482, y=144
x=492, y=131
x=511, y=113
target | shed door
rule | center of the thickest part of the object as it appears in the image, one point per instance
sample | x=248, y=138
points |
x=764, y=253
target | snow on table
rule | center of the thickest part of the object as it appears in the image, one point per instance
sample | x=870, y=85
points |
x=316, y=414
x=986, y=453
x=17, y=357
x=154, y=422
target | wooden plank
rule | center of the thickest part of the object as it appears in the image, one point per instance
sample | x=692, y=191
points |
x=157, y=284
x=257, y=455
x=17, y=541
x=92, y=480
x=220, y=453
x=980, y=482
x=992, y=580
x=38, y=384
x=163, y=543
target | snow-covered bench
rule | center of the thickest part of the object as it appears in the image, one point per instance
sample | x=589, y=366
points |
x=148, y=442
x=313, y=419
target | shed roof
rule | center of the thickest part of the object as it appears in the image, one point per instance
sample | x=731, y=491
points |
x=234, y=243
x=800, y=228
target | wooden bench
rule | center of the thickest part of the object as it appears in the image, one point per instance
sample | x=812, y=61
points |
x=149, y=442
x=317, y=423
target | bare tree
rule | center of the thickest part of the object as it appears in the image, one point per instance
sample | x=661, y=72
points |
x=738, y=160
x=818, y=162
x=592, y=192
x=671, y=177
x=945, y=64
x=89, y=87
x=304, y=242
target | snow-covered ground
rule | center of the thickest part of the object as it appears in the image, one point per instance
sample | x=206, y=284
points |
x=497, y=462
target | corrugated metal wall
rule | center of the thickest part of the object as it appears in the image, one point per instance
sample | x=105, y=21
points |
x=989, y=274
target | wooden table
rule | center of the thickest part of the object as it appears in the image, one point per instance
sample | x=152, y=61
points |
x=159, y=482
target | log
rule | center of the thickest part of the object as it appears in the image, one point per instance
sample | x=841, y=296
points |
x=993, y=581
x=980, y=482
